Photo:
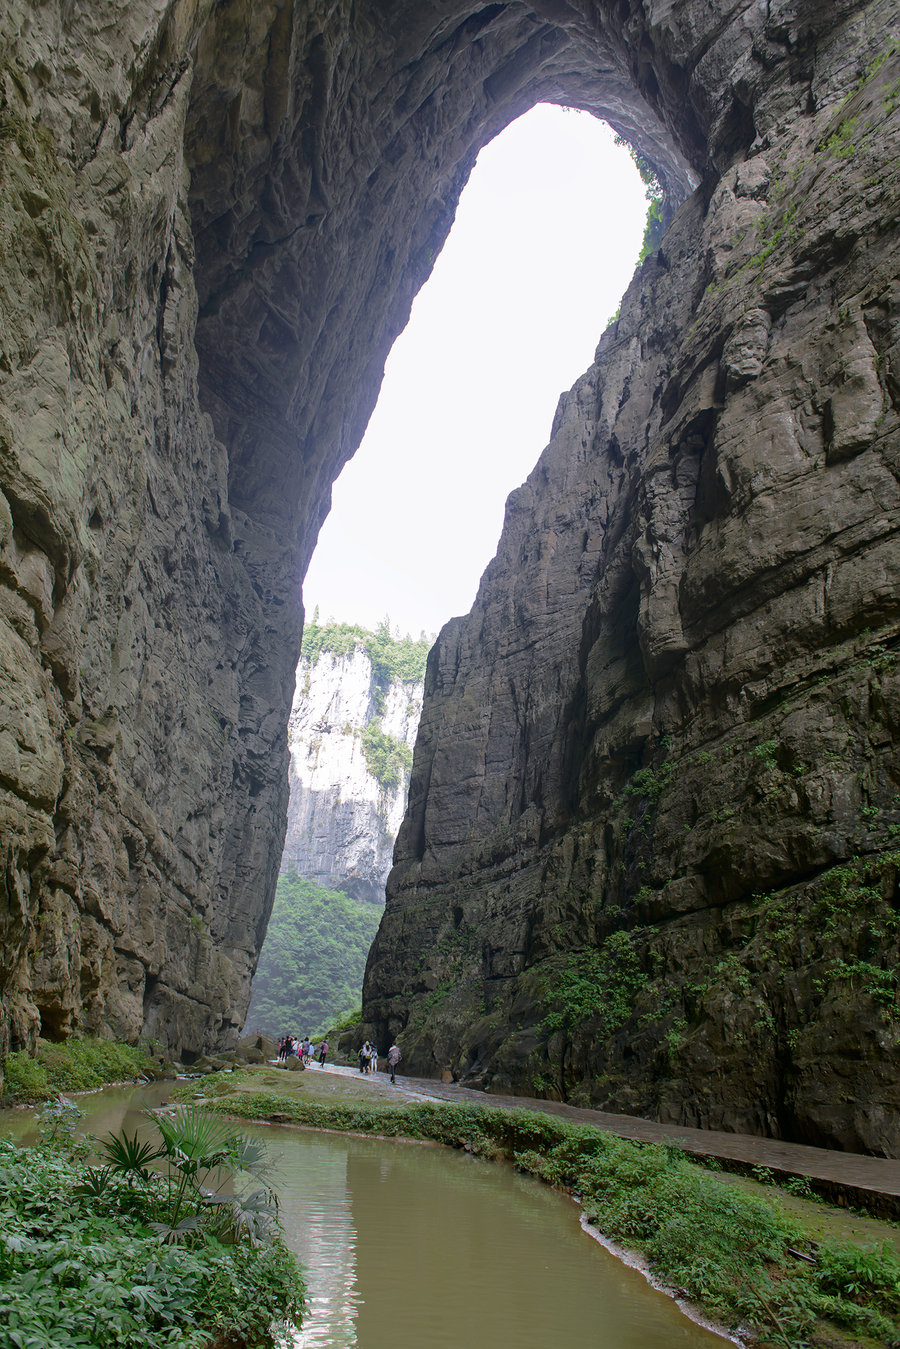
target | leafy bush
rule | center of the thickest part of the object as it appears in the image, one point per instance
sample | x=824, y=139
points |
x=25, y=1078
x=313, y=959
x=75, y=1065
x=82, y=1269
x=388, y=760
x=594, y=985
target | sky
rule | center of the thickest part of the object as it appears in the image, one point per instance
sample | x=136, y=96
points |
x=545, y=242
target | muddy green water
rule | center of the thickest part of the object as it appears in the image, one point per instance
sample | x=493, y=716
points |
x=417, y=1247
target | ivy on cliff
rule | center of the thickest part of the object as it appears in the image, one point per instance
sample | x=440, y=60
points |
x=387, y=759
x=599, y=986
x=313, y=959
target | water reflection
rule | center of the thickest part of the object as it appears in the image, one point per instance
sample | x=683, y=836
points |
x=317, y=1215
x=410, y=1247
x=415, y=1247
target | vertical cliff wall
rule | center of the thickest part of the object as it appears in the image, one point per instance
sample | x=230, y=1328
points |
x=651, y=853
x=350, y=737
x=214, y=217
x=142, y=799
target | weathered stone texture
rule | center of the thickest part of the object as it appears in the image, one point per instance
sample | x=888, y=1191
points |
x=341, y=820
x=131, y=748
x=214, y=218
x=651, y=854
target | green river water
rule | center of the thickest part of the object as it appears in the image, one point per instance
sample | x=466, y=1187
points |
x=408, y=1246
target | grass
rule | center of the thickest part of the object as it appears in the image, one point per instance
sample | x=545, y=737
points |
x=77, y=1065
x=729, y=1251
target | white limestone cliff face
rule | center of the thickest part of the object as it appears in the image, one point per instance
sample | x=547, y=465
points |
x=342, y=821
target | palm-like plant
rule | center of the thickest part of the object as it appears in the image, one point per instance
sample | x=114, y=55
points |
x=197, y=1145
x=130, y=1157
x=249, y=1217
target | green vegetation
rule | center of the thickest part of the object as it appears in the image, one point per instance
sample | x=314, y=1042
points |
x=313, y=959
x=655, y=193
x=128, y=1256
x=387, y=759
x=346, y=1021
x=76, y=1065
x=595, y=986
x=395, y=659
x=650, y=783
x=734, y=1253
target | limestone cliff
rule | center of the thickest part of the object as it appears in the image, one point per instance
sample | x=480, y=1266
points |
x=214, y=216
x=350, y=737
x=652, y=849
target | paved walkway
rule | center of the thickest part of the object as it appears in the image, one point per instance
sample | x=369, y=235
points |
x=844, y=1178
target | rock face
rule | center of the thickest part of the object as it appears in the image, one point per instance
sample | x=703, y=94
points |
x=651, y=854
x=214, y=218
x=142, y=783
x=342, y=818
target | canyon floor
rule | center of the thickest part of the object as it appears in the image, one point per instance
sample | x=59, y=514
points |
x=855, y=1182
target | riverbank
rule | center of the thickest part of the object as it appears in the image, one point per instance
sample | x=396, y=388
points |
x=71, y=1066
x=134, y=1253
x=746, y=1259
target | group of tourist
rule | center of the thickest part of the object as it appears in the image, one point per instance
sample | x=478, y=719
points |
x=301, y=1049
x=368, y=1058
x=304, y=1050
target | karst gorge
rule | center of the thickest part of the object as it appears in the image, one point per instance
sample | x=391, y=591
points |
x=650, y=856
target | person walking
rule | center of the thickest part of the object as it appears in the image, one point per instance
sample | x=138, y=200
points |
x=394, y=1057
x=323, y=1053
x=373, y=1057
x=364, y=1056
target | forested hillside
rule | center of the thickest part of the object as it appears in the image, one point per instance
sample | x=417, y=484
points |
x=312, y=964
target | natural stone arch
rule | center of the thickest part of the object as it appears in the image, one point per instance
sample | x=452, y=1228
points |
x=152, y=564
x=309, y=253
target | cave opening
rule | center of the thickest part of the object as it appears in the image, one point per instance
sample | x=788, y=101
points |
x=546, y=237
x=545, y=240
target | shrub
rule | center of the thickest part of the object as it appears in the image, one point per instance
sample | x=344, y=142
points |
x=74, y=1065
x=388, y=760
x=78, y=1268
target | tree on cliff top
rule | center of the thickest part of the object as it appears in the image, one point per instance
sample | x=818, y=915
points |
x=394, y=659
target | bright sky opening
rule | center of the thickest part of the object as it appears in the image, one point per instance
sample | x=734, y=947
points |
x=545, y=241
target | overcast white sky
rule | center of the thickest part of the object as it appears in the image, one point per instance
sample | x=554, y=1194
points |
x=545, y=242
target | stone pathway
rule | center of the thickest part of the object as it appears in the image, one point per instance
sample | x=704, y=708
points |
x=843, y=1178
